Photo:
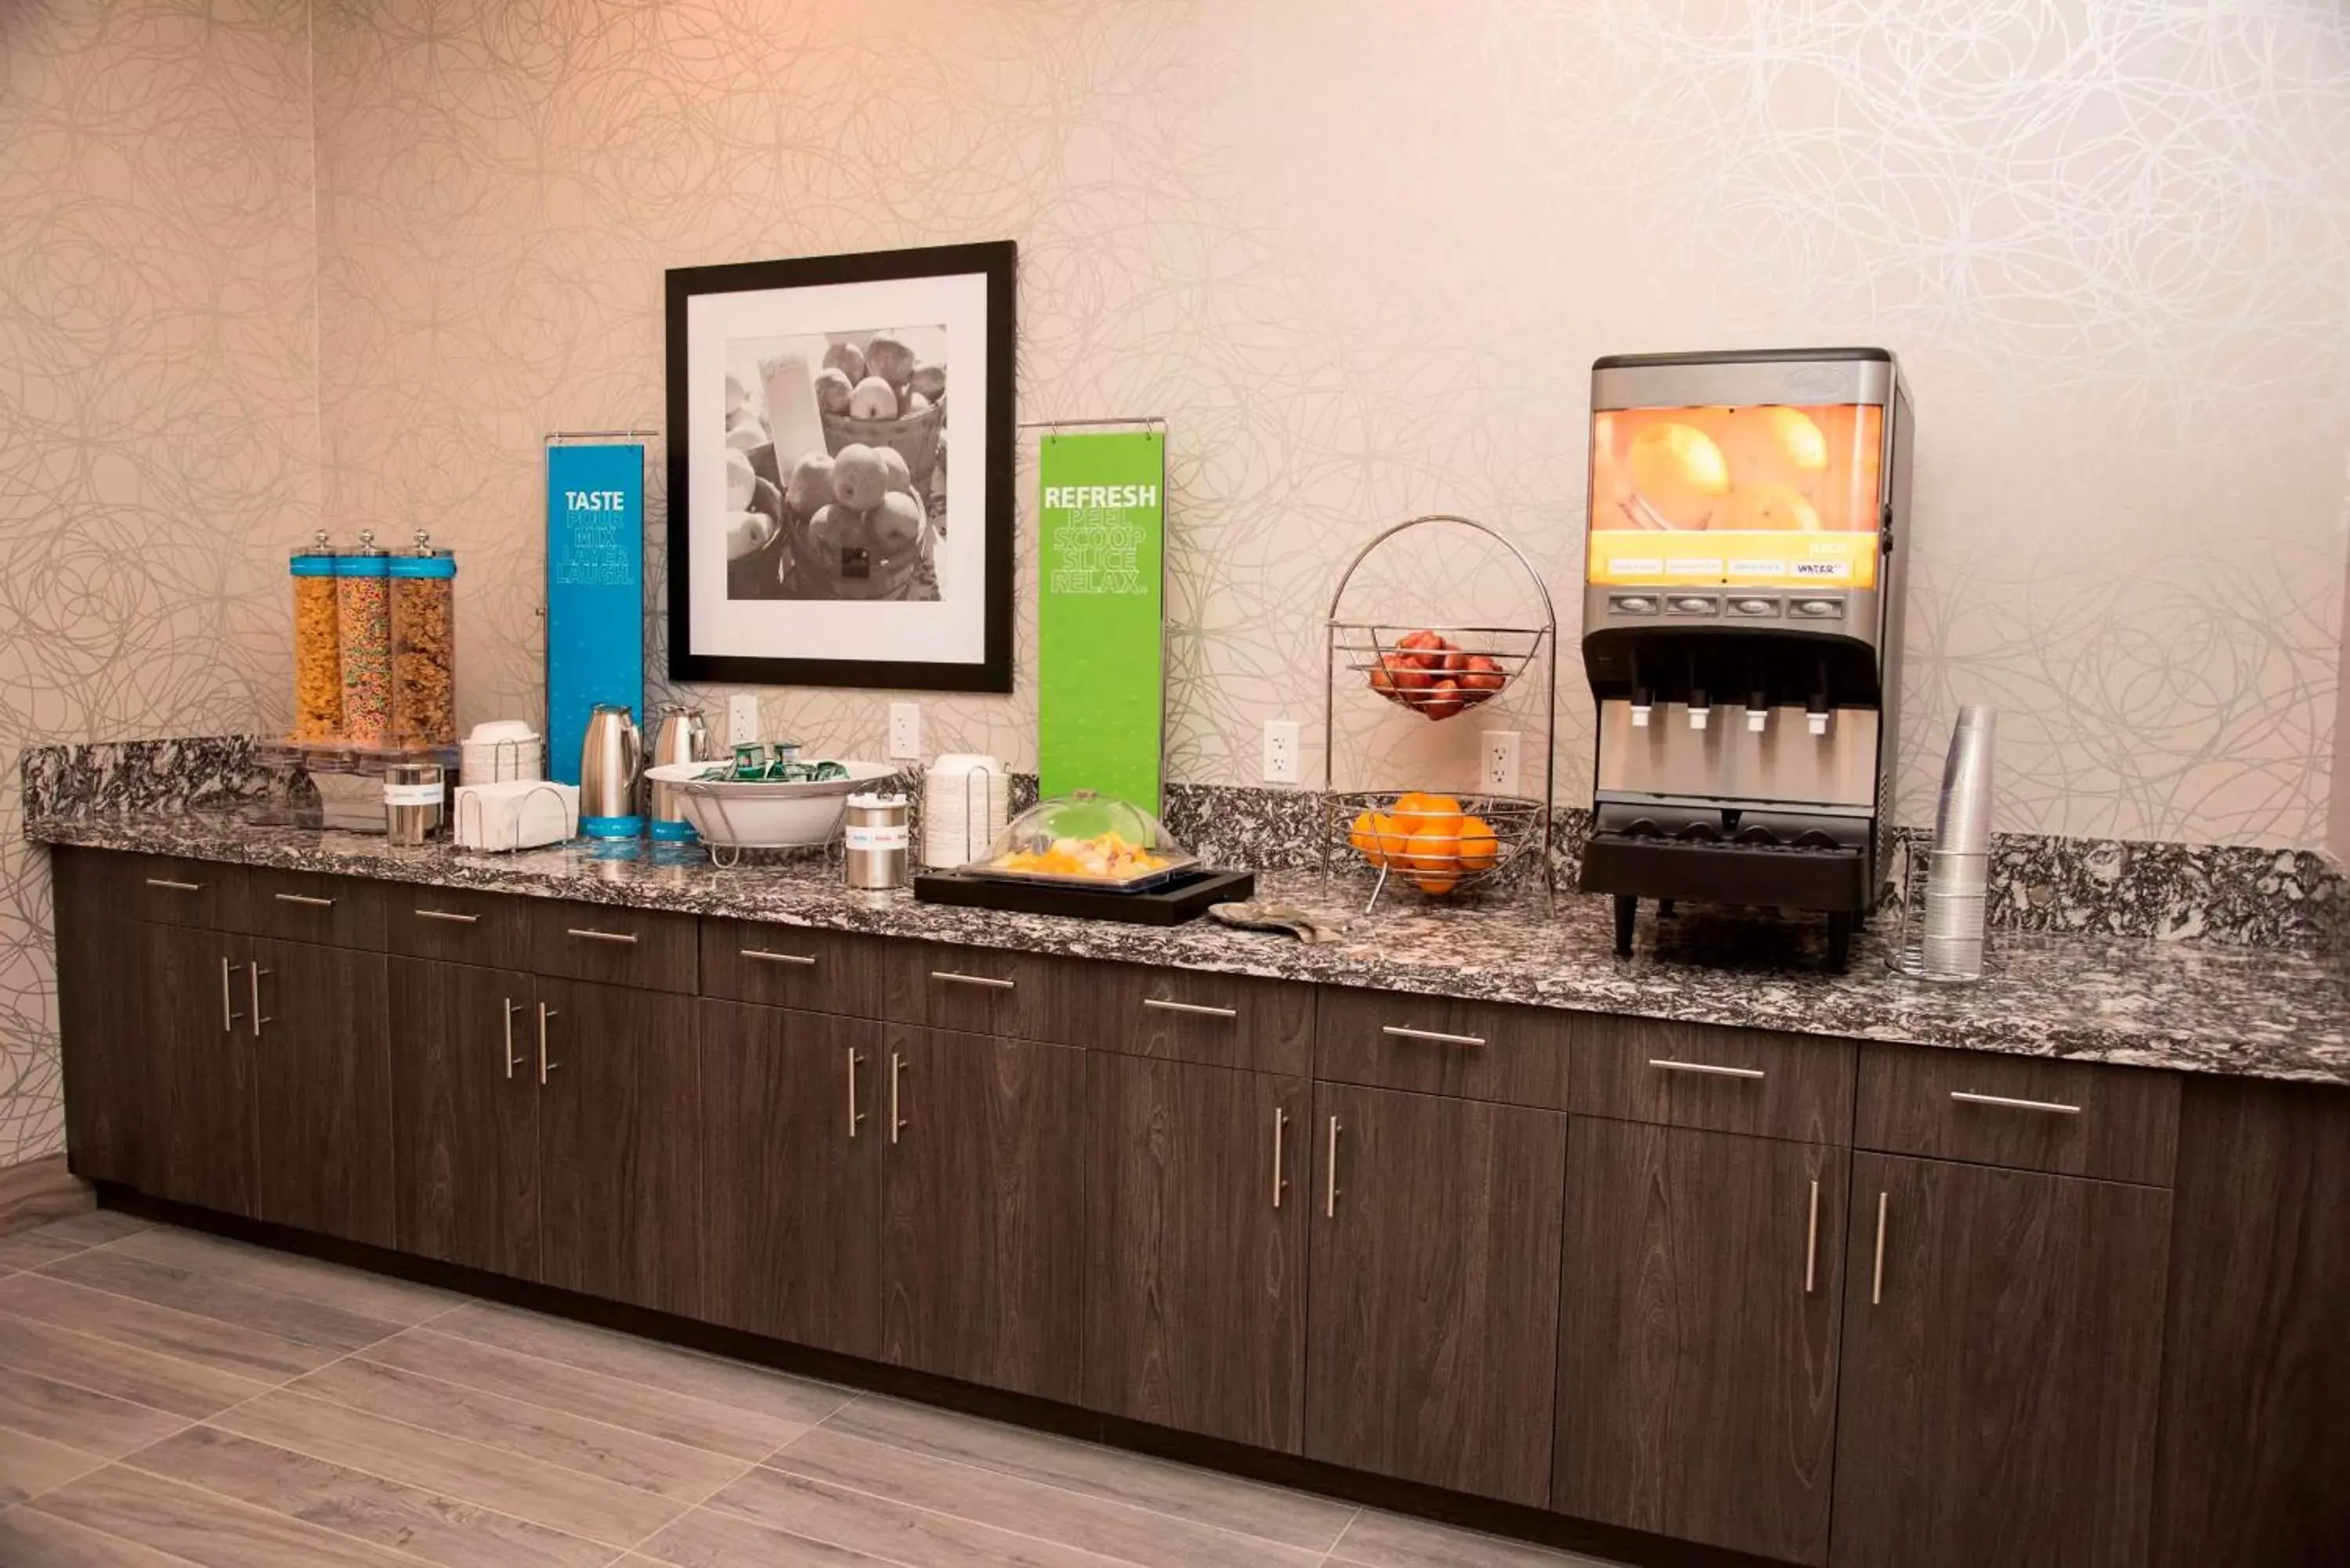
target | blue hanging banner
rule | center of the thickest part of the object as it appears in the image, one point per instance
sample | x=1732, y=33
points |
x=595, y=590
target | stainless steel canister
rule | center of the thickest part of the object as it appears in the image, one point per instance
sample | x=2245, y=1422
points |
x=413, y=794
x=678, y=736
x=877, y=842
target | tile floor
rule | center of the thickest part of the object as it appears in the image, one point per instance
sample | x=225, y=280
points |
x=168, y=1399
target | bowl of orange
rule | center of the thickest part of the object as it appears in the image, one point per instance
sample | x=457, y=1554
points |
x=1432, y=841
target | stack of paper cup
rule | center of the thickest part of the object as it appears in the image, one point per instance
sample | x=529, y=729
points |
x=1958, y=875
x=966, y=801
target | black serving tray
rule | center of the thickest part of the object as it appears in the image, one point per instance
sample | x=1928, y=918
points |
x=1169, y=904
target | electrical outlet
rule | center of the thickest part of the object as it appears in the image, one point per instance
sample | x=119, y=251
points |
x=1280, y=751
x=1500, y=770
x=906, y=732
x=741, y=719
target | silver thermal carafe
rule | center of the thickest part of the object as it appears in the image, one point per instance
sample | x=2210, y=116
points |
x=679, y=735
x=608, y=757
x=1743, y=629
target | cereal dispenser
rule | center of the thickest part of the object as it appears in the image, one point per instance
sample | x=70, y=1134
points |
x=363, y=624
x=317, y=646
x=422, y=585
x=1743, y=629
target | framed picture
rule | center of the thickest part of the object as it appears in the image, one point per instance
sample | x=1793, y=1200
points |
x=840, y=484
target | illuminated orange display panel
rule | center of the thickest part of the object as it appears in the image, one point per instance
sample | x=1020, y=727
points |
x=1766, y=495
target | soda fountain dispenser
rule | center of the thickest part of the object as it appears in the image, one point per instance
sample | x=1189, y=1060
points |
x=1743, y=629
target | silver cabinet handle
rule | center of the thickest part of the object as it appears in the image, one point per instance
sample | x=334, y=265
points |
x=988, y=982
x=1667, y=1065
x=897, y=1122
x=588, y=933
x=252, y=973
x=855, y=1116
x=1330, y=1176
x=1876, y=1273
x=228, y=1014
x=166, y=882
x=2052, y=1107
x=305, y=899
x=1280, y=1128
x=1195, y=1008
x=544, y=1066
x=451, y=916
x=1812, y=1241
x=761, y=955
x=1433, y=1036
x=511, y=1007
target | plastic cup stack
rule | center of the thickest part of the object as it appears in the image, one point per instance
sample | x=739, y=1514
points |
x=1958, y=873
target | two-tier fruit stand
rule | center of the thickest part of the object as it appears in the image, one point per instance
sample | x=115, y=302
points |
x=1439, y=672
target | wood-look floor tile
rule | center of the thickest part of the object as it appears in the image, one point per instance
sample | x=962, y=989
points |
x=501, y=1479
x=30, y=1465
x=31, y=1248
x=721, y=1429
x=1119, y=1529
x=95, y=1227
x=82, y=1417
x=354, y=1291
x=125, y=1320
x=1377, y=1540
x=33, y=1540
x=439, y=1529
x=141, y=1377
x=1290, y=1518
x=707, y=1538
x=916, y=1537
x=204, y=1528
x=797, y=1400
x=591, y=1448
x=220, y=1297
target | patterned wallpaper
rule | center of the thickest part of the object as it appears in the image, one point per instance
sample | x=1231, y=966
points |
x=1360, y=265
x=158, y=410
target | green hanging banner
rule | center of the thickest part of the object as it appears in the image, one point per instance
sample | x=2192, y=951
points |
x=1101, y=609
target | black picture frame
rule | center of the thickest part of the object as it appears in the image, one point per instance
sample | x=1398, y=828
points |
x=996, y=263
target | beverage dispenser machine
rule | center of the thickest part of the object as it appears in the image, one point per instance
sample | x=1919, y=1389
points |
x=1743, y=629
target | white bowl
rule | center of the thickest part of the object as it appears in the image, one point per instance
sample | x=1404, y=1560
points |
x=764, y=814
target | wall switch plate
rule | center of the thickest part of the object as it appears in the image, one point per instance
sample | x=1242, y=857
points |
x=1500, y=774
x=1280, y=751
x=741, y=719
x=906, y=732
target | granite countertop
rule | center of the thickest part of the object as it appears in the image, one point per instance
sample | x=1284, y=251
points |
x=2202, y=1009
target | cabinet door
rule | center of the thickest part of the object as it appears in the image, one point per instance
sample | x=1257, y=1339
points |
x=1195, y=1288
x=101, y=985
x=464, y=1114
x=983, y=1209
x=1999, y=1367
x=1432, y=1327
x=791, y=1152
x=195, y=1012
x=322, y=1085
x=1697, y=1348
x=618, y=1149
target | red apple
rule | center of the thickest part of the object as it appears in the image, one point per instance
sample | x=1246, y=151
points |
x=1480, y=677
x=1444, y=699
x=1424, y=649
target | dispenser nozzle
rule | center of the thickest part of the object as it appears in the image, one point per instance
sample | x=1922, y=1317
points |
x=1757, y=720
x=1698, y=716
x=1816, y=722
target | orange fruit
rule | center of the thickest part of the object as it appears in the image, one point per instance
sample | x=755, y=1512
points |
x=1479, y=847
x=1394, y=837
x=1410, y=803
x=1678, y=470
x=1435, y=886
x=1434, y=849
x=1364, y=834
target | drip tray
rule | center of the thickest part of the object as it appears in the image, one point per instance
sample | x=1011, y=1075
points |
x=1793, y=877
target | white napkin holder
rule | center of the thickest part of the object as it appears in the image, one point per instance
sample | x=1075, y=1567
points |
x=516, y=815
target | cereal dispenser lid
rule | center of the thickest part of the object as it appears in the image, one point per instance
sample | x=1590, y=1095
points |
x=424, y=561
x=315, y=560
x=367, y=561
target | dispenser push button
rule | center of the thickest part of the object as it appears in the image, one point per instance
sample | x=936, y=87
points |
x=1693, y=603
x=1633, y=604
x=1754, y=607
x=1818, y=608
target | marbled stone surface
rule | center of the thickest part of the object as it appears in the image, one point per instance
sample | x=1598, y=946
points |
x=2179, y=1005
x=114, y=776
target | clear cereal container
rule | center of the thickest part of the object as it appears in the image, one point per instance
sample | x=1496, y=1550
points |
x=363, y=624
x=318, y=646
x=423, y=583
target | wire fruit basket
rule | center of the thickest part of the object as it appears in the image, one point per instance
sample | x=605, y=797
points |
x=1449, y=842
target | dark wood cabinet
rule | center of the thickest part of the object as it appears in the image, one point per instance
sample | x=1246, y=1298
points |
x=195, y=1020
x=102, y=991
x=1432, y=1326
x=1999, y=1367
x=322, y=1088
x=791, y=1165
x=465, y=1107
x=983, y=1209
x=2256, y=1383
x=618, y=1155
x=1698, y=1340
x=1195, y=1290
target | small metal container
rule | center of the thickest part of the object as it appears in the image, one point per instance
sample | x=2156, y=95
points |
x=413, y=796
x=877, y=842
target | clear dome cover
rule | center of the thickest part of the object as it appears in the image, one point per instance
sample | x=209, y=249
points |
x=1085, y=840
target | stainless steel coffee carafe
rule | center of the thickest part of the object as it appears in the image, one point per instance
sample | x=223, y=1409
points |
x=679, y=735
x=609, y=761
